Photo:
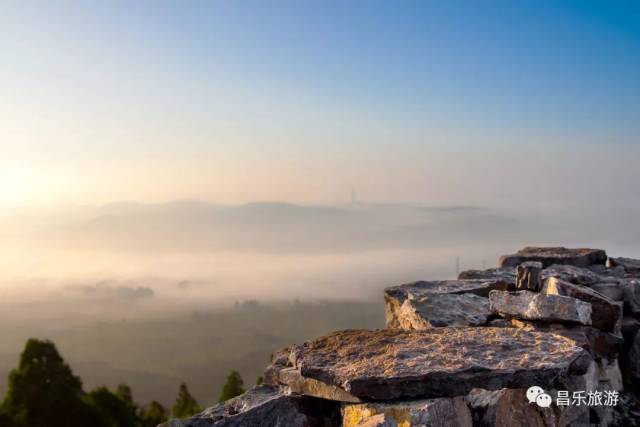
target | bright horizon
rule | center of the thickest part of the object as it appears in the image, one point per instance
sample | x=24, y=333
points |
x=232, y=102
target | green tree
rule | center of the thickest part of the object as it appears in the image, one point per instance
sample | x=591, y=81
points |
x=153, y=414
x=260, y=380
x=111, y=409
x=43, y=392
x=232, y=388
x=185, y=405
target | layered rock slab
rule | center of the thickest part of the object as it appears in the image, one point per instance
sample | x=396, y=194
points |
x=429, y=412
x=579, y=257
x=506, y=274
x=606, y=314
x=438, y=310
x=265, y=406
x=535, y=306
x=439, y=303
x=437, y=362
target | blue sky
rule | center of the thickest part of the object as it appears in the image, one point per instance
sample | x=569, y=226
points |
x=243, y=100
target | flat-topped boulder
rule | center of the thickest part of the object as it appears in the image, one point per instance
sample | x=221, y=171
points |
x=265, y=406
x=427, y=291
x=579, y=257
x=436, y=310
x=606, y=314
x=442, y=412
x=437, y=362
x=536, y=306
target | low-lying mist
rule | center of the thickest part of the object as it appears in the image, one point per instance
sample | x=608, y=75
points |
x=155, y=294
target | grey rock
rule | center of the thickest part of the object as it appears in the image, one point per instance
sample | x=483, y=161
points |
x=438, y=362
x=434, y=310
x=614, y=291
x=606, y=314
x=600, y=344
x=606, y=271
x=528, y=276
x=506, y=274
x=265, y=406
x=631, y=296
x=580, y=257
x=444, y=412
x=536, y=306
x=396, y=296
x=572, y=274
x=631, y=266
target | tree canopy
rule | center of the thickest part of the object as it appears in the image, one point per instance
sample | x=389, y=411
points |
x=44, y=392
x=185, y=405
x=232, y=388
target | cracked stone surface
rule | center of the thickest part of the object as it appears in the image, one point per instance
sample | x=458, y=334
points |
x=437, y=362
x=536, y=306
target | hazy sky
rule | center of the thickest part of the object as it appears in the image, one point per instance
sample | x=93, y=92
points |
x=232, y=101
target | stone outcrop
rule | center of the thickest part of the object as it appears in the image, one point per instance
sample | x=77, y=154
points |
x=464, y=352
x=582, y=257
x=535, y=306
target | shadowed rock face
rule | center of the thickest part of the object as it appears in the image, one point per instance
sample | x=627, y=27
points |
x=438, y=362
x=534, y=306
x=265, y=406
x=581, y=257
x=606, y=314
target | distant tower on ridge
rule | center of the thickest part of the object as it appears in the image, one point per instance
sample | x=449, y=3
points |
x=353, y=196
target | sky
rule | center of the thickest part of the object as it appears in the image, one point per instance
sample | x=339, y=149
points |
x=436, y=102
